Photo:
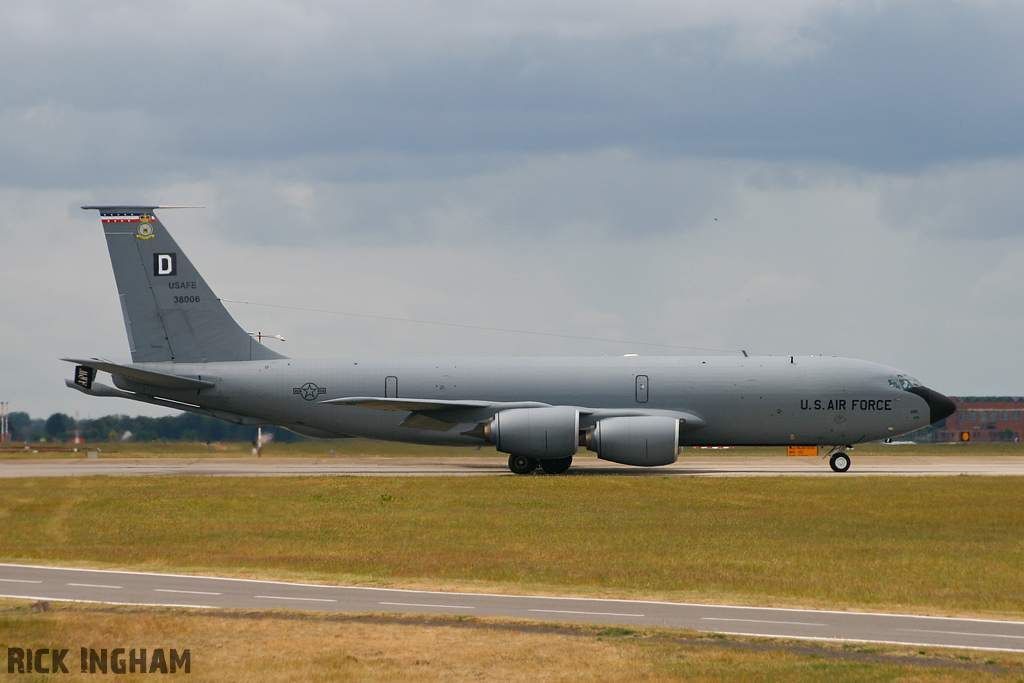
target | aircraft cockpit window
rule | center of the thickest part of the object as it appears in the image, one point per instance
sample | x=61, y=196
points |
x=905, y=383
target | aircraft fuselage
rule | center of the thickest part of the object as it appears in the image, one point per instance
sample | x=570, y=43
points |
x=761, y=400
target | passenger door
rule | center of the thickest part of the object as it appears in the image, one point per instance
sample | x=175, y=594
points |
x=641, y=388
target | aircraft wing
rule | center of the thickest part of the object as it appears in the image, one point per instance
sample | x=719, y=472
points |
x=157, y=379
x=441, y=415
x=426, y=404
x=434, y=414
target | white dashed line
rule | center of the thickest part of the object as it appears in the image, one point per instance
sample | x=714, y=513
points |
x=280, y=597
x=90, y=585
x=168, y=590
x=961, y=633
x=762, y=621
x=594, y=614
x=417, y=604
x=19, y=581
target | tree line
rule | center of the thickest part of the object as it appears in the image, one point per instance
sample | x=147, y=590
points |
x=184, y=427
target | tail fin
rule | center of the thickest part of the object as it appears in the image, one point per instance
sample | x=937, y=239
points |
x=170, y=313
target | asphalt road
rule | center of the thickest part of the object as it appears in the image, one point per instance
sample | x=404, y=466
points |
x=137, y=588
x=687, y=466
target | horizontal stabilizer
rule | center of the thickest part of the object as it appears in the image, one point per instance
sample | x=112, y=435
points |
x=98, y=389
x=156, y=379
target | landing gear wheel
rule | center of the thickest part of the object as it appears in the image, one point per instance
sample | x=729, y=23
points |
x=556, y=465
x=520, y=464
x=839, y=462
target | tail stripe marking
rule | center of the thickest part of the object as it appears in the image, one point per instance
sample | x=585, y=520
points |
x=120, y=217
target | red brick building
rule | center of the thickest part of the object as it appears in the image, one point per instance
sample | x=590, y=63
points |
x=998, y=419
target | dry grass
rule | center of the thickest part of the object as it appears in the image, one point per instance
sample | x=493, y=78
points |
x=288, y=647
x=925, y=545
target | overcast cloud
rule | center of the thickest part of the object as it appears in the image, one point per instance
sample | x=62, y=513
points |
x=807, y=176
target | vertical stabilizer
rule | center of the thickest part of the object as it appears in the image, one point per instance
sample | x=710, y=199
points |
x=170, y=313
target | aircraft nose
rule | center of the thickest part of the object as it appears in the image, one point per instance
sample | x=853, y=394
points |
x=939, y=406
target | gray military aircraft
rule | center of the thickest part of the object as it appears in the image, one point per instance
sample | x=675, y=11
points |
x=188, y=353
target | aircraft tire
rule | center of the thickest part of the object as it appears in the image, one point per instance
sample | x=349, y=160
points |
x=520, y=464
x=556, y=465
x=839, y=462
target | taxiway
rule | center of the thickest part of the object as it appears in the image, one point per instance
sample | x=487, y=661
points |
x=489, y=465
x=174, y=590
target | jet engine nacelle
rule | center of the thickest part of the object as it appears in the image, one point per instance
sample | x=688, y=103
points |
x=536, y=432
x=643, y=440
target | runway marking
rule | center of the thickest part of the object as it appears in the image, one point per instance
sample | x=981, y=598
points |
x=762, y=621
x=106, y=602
x=825, y=639
x=279, y=597
x=91, y=585
x=842, y=613
x=595, y=614
x=961, y=633
x=19, y=581
x=168, y=590
x=417, y=604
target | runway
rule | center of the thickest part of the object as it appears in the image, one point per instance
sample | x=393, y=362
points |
x=172, y=590
x=686, y=466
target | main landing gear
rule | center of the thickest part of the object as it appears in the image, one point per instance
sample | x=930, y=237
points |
x=838, y=460
x=521, y=464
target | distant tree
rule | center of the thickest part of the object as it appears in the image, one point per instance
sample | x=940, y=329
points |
x=58, y=425
x=19, y=420
x=181, y=427
x=24, y=428
x=101, y=428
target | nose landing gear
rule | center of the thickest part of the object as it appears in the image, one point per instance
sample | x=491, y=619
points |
x=838, y=460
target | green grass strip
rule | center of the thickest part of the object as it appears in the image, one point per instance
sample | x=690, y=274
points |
x=949, y=545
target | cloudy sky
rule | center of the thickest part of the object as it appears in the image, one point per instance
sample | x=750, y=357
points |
x=798, y=176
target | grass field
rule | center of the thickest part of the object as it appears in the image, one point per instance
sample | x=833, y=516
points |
x=944, y=545
x=926, y=545
x=241, y=646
